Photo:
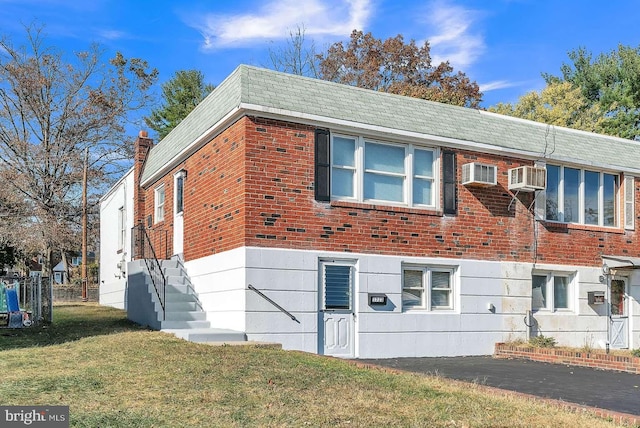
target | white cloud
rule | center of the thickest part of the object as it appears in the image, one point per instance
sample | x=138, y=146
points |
x=454, y=39
x=276, y=18
x=497, y=84
x=112, y=34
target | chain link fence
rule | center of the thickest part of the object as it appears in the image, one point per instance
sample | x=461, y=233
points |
x=34, y=297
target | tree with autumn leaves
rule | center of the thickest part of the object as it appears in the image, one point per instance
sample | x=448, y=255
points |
x=597, y=94
x=389, y=65
x=397, y=67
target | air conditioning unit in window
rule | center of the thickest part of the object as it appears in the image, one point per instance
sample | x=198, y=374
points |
x=527, y=178
x=478, y=174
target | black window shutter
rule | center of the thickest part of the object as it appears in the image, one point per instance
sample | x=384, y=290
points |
x=323, y=166
x=449, y=196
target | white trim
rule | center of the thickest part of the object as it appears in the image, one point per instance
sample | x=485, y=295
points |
x=156, y=205
x=579, y=217
x=180, y=174
x=340, y=125
x=550, y=304
x=196, y=144
x=427, y=272
x=115, y=186
x=122, y=228
x=408, y=176
x=628, y=200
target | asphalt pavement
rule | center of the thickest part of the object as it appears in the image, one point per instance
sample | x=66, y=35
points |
x=610, y=390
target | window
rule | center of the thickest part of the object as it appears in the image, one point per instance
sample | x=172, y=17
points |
x=121, y=228
x=337, y=280
x=581, y=196
x=427, y=288
x=179, y=191
x=374, y=171
x=551, y=291
x=159, y=203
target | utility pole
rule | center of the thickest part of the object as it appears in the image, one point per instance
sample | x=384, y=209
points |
x=84, y=226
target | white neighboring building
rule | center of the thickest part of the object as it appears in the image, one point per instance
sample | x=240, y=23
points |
x=116, y=221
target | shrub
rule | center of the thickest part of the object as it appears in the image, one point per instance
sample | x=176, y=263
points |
x=635, y=352
x=542, y=341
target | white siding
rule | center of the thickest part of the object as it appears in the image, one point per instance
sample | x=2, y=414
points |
x=491, y=302
x=113, y=283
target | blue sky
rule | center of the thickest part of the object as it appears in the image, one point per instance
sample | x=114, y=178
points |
x=504, y=45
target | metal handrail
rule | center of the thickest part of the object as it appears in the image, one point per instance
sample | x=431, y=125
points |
x=261, y=294
x=145, y=249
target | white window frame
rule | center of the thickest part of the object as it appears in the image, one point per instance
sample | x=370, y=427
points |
x=629, y=202
x=550, y=304
x=408, y=176
x=180, y=175
x=352, y=285
x=582, y=197
x=426, y=288
x=122, y=221
x=159, y=203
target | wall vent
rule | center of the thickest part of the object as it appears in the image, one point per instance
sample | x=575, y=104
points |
x=478, y=174
x=527, y=178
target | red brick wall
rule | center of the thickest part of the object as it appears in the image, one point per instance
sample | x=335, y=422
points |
x=253, y=185
x=213, y=198
x=490, y=223
x=599, y=360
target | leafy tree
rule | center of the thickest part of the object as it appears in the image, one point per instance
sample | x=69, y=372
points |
x=396, y=67
x=298, y=56
x=181, y=94
x=54, y=111
x=611, y=82
x=560, y=104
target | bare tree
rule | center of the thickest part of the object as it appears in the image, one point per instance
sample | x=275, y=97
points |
x=298, y=56
x=51, y=110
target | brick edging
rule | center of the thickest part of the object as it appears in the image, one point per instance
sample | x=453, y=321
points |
x=628, y=364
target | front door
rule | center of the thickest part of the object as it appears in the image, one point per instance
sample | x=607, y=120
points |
x=336, y=317
x=619, y=314
x=178, y=209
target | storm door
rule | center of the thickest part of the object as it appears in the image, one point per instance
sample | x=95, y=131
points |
x=336, y=316
x=178, y=209
x=619, y=314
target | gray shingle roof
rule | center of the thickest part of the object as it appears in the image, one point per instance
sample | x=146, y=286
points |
x=334, y=102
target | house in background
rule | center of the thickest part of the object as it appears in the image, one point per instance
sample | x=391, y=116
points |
x=355, y=223
x=116, y=222
x=35, y=267
x=60, y=275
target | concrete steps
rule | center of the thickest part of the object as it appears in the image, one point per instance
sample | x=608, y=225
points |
x=184, y=317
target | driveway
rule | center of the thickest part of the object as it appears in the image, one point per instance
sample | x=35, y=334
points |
x=614, y=391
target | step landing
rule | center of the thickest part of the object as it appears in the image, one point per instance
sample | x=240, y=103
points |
x=207, y=335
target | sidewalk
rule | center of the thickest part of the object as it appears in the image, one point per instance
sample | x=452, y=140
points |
x=613, y=391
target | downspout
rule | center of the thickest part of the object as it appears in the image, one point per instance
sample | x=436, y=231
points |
x=607, y=273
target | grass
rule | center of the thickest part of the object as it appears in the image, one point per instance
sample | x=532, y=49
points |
x=114, y=374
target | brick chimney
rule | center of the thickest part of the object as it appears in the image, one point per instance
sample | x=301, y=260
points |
x=142, y=146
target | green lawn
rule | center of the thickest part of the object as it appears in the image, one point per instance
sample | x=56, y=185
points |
x=114, y=374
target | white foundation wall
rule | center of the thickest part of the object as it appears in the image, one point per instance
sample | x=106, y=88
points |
x=113, y=281
x=584, y=325
x=219, y=280
x=491, y=301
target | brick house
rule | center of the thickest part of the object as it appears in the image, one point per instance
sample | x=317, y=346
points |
x=384, y=226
